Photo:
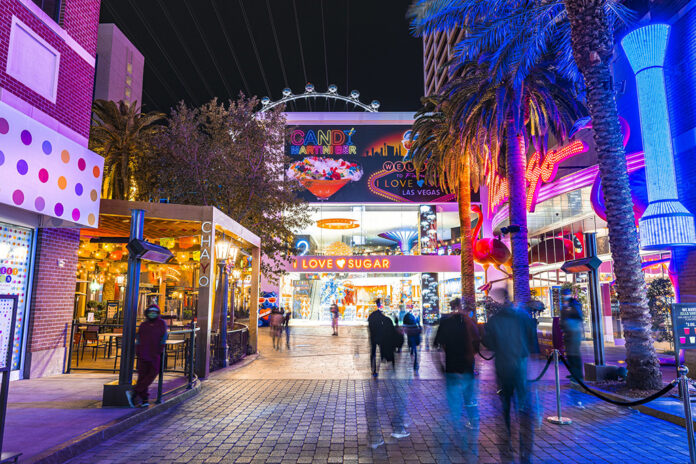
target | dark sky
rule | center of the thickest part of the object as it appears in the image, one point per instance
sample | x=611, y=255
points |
x=198, y=49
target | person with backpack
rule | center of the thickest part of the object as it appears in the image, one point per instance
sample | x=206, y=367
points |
x=413, y=332
x=510, y=333
x=459, y=342
x=275, y=321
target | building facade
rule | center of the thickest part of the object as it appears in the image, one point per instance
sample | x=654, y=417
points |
x=119, y=67
x=437, y=51
x=51, y=181
x=377, y=230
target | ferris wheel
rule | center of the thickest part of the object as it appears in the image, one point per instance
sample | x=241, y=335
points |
x=311, y=93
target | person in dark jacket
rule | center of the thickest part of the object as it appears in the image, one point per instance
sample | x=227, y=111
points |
x=571, y=325
x=149, y=346
x=286, y=326
x=459, y=340
x=375, y=326
x=413, y=332
x=510, y=333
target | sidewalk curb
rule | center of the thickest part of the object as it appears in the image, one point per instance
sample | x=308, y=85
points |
x=87, y=440
x=643, y=408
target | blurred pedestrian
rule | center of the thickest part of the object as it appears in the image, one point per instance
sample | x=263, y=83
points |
x=334, y=318
x=275, y=321
x=510, y=334
x=149, y=346
x=398, y=335
x=459, y=339
x=286, y=325
x=571, y=325
x=413, y=332
x=375, y=326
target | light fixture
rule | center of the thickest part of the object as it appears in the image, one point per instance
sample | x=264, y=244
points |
x=404, y=238
x=337, y=224
x=666, y=222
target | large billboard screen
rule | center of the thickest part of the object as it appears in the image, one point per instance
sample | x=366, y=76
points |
x=357, y=164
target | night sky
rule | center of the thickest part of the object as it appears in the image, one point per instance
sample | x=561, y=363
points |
x=199, y=49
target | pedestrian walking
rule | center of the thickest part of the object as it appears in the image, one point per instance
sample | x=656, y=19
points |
x=413, y=333
x=334, y=319
x=571, y=326
x=286, y=325
x=149, y=347
x=510, y=334
x=459, y=340
x=375, y=327
x=275, y=321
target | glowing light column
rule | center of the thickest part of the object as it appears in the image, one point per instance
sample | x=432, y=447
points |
x=666, y=222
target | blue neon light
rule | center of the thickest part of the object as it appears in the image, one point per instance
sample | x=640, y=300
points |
x=666, y=222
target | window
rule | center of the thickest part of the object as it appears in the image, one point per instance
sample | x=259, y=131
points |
x=50, y=7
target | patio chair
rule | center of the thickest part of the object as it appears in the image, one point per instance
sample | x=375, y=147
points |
x=175, y=350
x=91, y=340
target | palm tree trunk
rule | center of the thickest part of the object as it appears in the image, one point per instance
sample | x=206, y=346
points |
x=516, y=162
x=593, y=43
x=467, y=256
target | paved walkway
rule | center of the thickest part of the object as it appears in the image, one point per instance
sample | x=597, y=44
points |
x=312, y=403
x=49, y=411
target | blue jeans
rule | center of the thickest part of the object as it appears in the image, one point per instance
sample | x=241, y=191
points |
x=462, y=393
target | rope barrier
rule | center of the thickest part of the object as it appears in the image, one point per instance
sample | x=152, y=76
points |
x=543, y=371
x=652, y=397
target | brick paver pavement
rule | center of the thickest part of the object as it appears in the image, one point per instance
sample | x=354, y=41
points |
x=237, y=418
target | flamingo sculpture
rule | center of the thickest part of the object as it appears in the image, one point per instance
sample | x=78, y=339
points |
x=491, y=250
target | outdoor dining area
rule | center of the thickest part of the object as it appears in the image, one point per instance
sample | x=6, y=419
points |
x=211, y=277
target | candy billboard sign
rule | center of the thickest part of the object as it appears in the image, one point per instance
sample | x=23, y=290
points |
x=357, y=164
x=46, y=173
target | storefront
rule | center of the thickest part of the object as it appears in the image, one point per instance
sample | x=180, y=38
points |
x=377, y=230
x=202, y=239
x=50, y=189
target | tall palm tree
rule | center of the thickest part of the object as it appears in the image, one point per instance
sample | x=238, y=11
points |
x=492, y=115
x=438, y=153
x=581, y=32
x=120, y=133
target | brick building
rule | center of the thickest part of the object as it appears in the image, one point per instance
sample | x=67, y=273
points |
x=119, y=67
x=51, y=182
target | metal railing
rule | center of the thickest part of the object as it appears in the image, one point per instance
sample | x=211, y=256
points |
x=237, y=343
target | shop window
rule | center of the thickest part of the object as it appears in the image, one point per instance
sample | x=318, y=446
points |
x=15, y=256
x=50, y=7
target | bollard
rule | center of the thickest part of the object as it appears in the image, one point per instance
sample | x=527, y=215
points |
x=684, y=389
x=558, y=419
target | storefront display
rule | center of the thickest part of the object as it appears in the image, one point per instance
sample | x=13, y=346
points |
x=15, y=259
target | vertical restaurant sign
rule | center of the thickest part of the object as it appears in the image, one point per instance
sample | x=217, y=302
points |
x=357, y=164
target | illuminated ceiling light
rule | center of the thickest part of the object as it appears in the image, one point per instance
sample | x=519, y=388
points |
x=666, y=222
x=404, y=238
x=337, y=224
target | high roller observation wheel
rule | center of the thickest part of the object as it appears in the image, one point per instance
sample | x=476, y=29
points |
x=311, y=92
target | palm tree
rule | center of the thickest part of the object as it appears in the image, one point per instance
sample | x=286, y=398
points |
x=581, y=33
x=495, y=115
x=120, y=133
x=436, y=150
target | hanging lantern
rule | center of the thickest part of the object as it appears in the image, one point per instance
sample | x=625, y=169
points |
x=168, y=242
x=116, y=255
x=103, y=264
x=186, y=242
x=196, y=255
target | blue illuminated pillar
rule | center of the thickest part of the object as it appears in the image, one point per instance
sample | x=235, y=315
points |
x=666, y=222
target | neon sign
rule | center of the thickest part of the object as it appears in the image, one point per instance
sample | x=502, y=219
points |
x=340, y=264
x=323, y=142
x=538, y=172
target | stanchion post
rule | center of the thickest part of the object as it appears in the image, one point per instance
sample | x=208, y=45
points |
x=558, y=419
x=684, y=388
x=192, y=350
x=70, y=347
x=160, y=379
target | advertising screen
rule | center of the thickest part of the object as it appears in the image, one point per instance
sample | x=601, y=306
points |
x=357, y=164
